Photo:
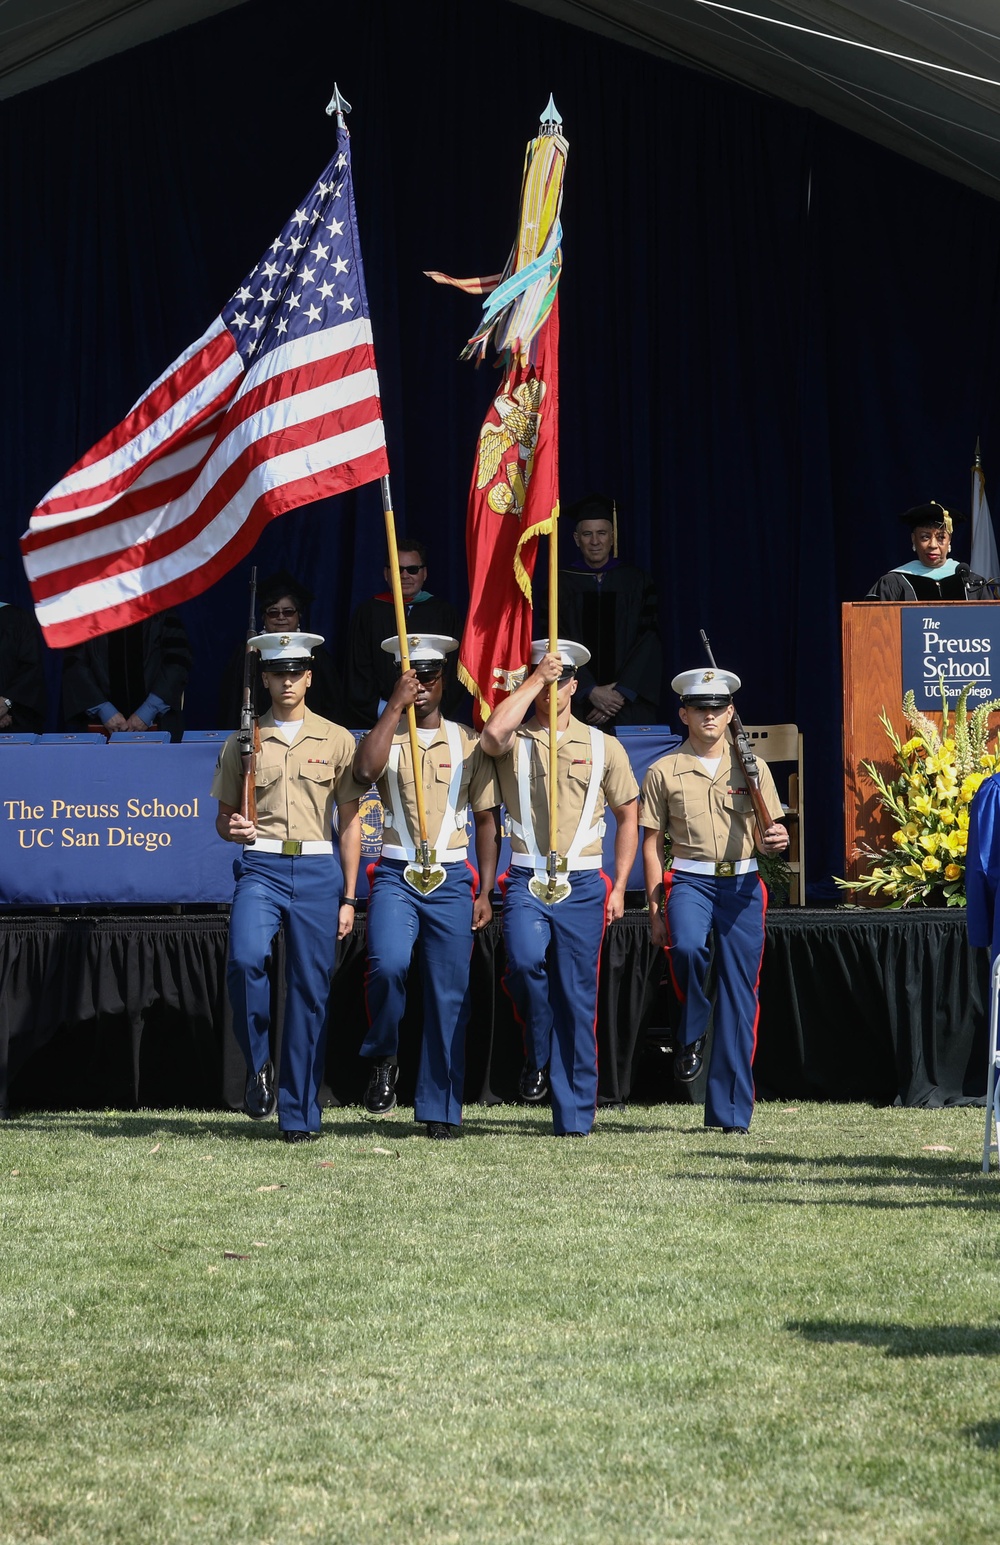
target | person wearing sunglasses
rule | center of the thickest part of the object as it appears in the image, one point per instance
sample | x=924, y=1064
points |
x=369, y=675
x=284, y=608
x=553, y=949
x=456, y=777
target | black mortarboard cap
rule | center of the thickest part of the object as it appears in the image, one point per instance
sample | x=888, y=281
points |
x=593, y=507
x=932, y=514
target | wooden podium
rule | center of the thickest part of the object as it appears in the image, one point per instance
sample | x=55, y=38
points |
x=873, y=680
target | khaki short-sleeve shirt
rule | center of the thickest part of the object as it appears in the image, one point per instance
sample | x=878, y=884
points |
x=574, y=769
x=707, y=818
x=477, y=790
x=296, y=785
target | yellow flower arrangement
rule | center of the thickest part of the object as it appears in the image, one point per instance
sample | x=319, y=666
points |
x=939, y=773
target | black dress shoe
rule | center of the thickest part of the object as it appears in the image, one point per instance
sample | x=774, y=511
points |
x=735, y=1131
x=533, y=1085
x=443, y=1131
x=380, y=1096
x=300, y=1137
x=260, y=1100
x=688, y=1061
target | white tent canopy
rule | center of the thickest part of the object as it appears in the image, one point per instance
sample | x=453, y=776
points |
x=944, y=120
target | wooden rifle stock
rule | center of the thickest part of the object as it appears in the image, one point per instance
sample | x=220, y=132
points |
x=249, y=732
x=747, y=760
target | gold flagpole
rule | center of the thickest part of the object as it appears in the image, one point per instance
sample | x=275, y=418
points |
x=553, y=706
x=430, y=874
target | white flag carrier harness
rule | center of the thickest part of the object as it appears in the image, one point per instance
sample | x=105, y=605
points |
x=396, y=818
x=586, y=832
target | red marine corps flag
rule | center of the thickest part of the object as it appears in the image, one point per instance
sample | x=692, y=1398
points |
x=275, y=405
x=515, y=478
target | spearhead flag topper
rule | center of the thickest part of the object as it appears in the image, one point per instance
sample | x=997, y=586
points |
x=276, y=405
x=515, y=477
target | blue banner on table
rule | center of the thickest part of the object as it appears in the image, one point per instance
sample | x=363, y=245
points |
x=122, y=825
x=959, y=643
x=134, y=825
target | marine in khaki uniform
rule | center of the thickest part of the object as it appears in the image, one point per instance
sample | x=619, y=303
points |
x=698, y=795
x=553, y=951
x=289, y=872
x=455, y=777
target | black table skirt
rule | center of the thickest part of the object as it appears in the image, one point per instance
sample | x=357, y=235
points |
x=123, y=1011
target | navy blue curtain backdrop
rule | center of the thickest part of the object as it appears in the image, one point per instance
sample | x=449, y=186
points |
x=775, y=335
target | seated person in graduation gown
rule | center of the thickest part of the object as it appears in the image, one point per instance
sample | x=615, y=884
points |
x=22, y=676
x=931, y=574
x=131, y=679
x=371, y=674
x=611, y=607
x=284, y=608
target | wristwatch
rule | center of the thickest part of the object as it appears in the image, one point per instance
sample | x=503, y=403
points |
x=7, y=703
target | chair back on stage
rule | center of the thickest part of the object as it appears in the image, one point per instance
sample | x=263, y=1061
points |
x=783, y=743
x=140, y=738
x=72, y=738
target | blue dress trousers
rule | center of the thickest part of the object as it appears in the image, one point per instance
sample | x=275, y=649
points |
x=303, y=893
x=400, y=918
x=553, y=960
x=731, y=911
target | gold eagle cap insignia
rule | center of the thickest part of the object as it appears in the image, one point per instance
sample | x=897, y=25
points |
x=285, y=640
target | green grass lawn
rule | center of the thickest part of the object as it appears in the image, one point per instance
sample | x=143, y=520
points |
x=659, y=1334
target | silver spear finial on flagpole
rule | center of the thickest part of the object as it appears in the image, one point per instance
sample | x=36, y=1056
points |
x=339, y=105
x=551, y=119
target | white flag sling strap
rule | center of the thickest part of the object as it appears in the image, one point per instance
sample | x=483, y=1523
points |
x=440, y=852
x=587, y=830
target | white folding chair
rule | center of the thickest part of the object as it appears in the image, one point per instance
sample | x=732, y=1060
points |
x=991, y=1139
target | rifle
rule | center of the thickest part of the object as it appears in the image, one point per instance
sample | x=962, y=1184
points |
x=249, y=731
x=747, y=760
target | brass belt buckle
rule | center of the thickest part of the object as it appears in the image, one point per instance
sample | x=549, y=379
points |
x=291, y=848
x=725, y=869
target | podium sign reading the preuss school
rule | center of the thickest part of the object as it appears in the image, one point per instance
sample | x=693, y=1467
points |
x=110, y=824
x=959, y=644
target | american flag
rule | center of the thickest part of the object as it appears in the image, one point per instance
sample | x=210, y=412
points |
x=276, y=405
